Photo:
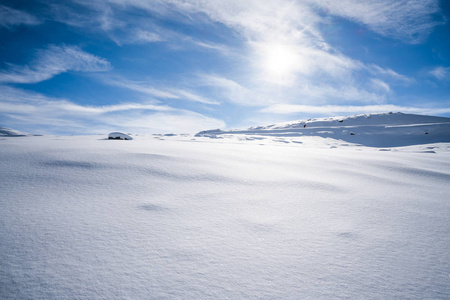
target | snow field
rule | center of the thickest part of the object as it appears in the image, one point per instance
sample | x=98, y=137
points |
x=174, y=218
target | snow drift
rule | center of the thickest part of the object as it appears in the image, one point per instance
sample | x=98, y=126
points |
x=376, y=130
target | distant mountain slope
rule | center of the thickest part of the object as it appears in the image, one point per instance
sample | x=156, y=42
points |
x=375, y=130
x=12, y=132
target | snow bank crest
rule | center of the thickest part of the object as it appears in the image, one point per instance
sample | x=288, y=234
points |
x=375, y=130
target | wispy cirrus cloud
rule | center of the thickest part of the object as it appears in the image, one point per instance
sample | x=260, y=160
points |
x=318, y=94
x=52, y=61
x=121, y=23
x=145, y=36
x=440, y=73
x=62, y=116
x=284, y=45
x=407, y=20
x=231, y=91
x=285, y=48
x=380, y=85
x=14, y=100
x=388, y=74
x=159, y=91
x=83, y=14
x=10, y=17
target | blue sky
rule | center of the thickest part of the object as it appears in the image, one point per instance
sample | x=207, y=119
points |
x=159, y=66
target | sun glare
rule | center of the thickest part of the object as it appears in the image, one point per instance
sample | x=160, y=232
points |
x=279, y=63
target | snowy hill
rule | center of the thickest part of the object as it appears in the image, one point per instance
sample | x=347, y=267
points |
x=375, y=130
x=11, y=132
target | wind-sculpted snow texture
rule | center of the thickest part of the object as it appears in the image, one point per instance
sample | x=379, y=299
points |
x=375, y=130
x=173, y=217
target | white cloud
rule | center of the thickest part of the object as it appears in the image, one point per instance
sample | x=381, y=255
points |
x=219, y=48
x=63, y=116
x=284, y=59
x=337, y=109
x=287, y=58
x=272, y=30
x=10, y=17
x=119, y=21
x=345, y=93
x=388, y=74
x=232, y=91
x=191, y=96
x=252, y=18
x=284, y=44
x=52, y=61
x=81, y=13
x=148, y=36
x=304, y=92
x=380, y=85
x=161, y=92
x=13, y=100
x=440, y=73
x=406, y=20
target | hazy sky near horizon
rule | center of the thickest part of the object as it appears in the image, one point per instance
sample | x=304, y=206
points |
x=160, y=66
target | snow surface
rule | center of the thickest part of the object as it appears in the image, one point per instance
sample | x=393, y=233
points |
x=375, y=130
x=237, y=217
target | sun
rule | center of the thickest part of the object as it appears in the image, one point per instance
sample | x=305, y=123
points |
x=279, y=62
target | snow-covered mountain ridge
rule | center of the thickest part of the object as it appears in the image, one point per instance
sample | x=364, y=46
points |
x=375, y=130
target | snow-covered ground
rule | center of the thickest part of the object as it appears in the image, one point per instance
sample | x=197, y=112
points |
x=234, y=217
x=374, y=130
